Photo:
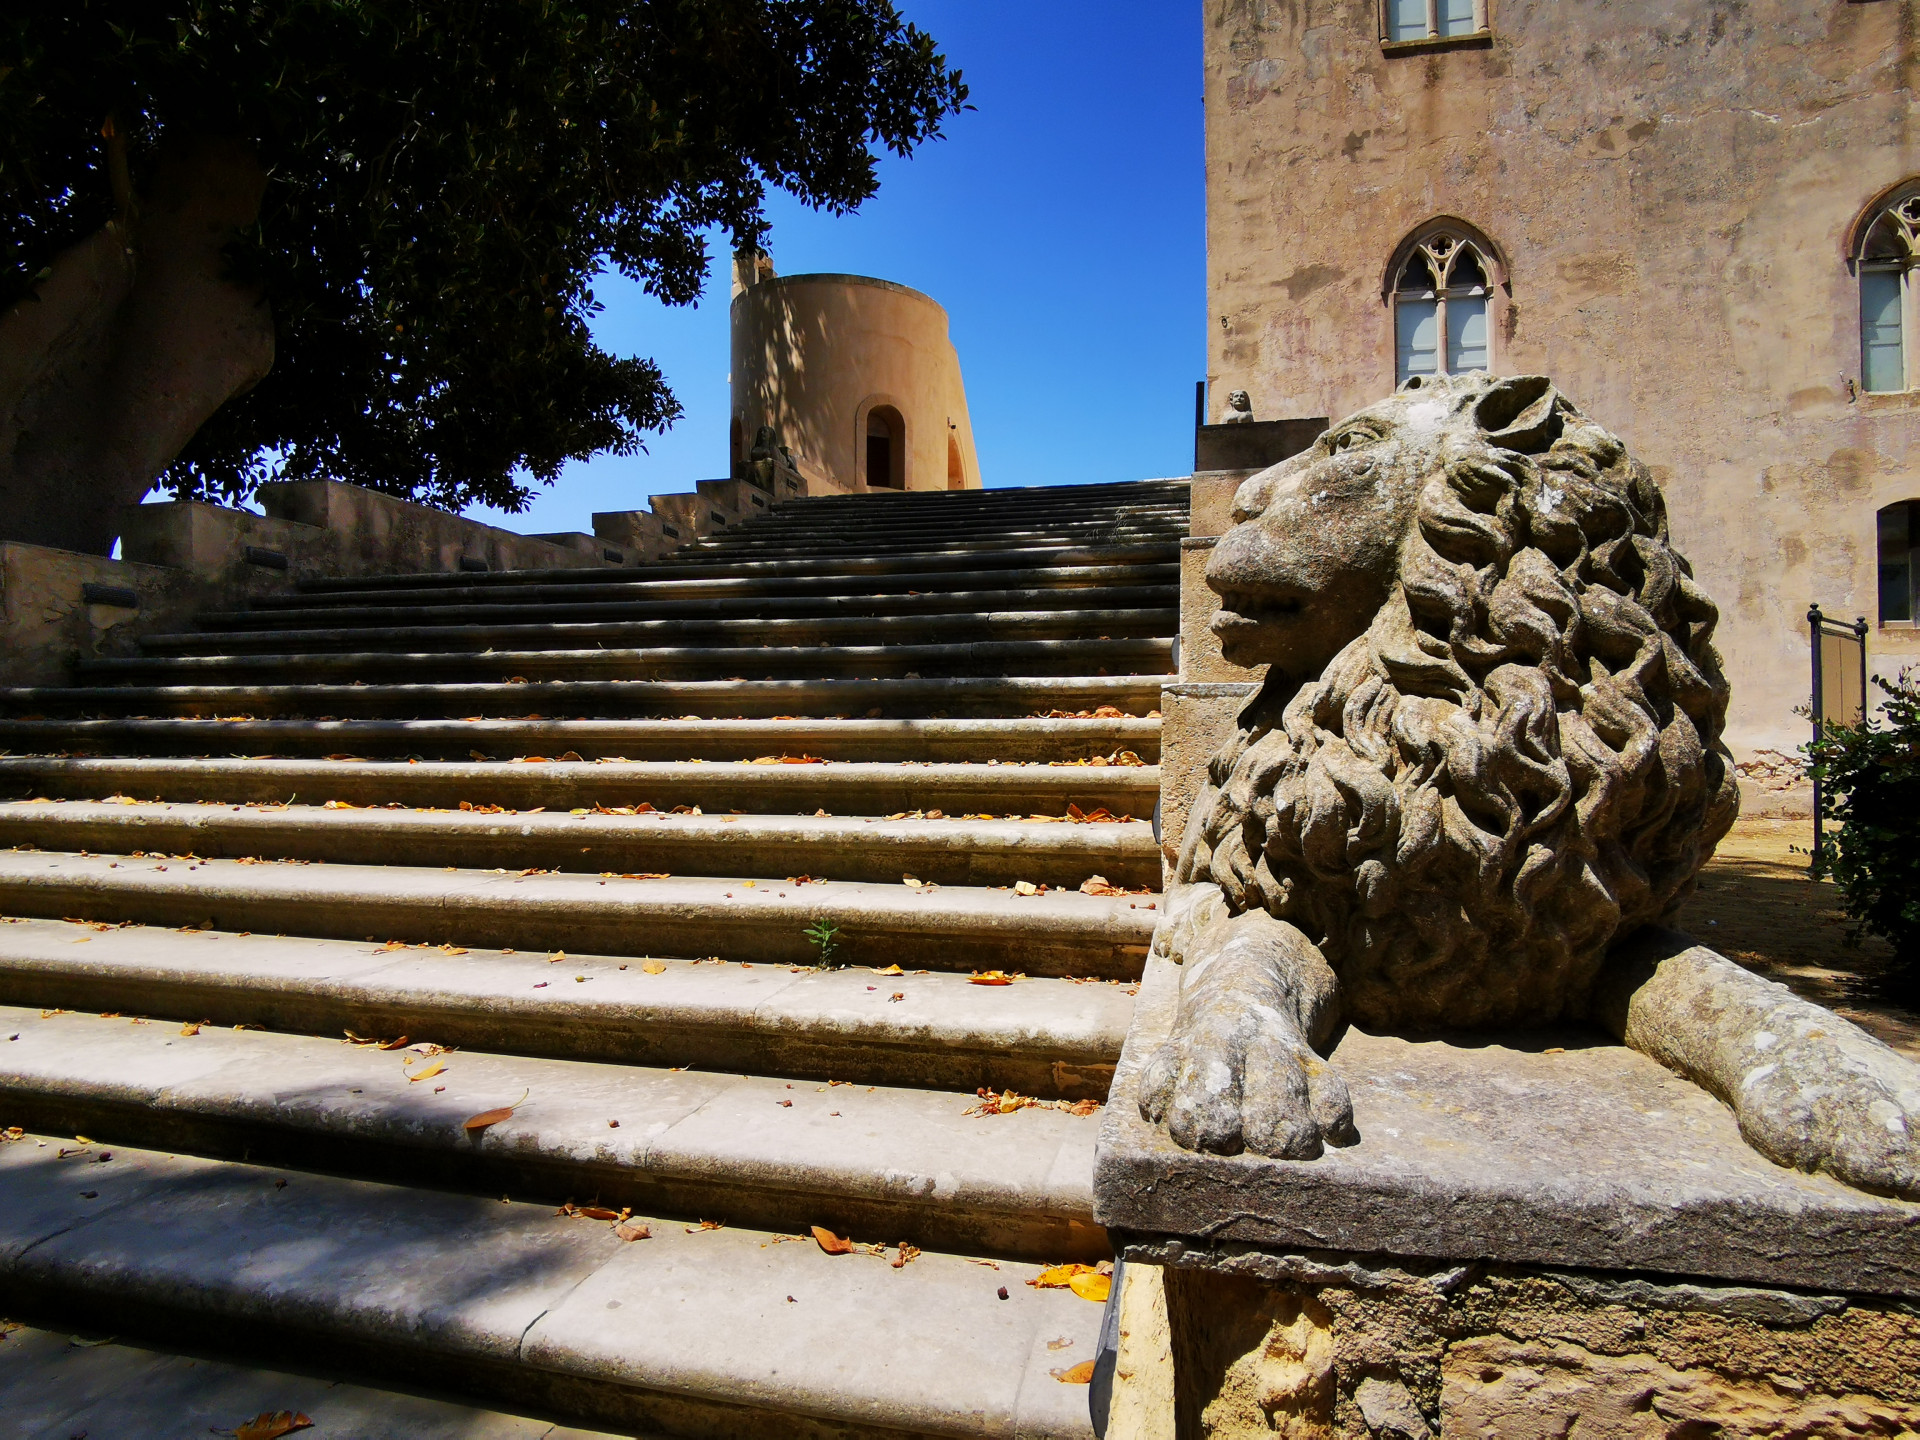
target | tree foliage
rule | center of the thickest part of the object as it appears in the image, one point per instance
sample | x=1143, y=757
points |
x=447, y=177
x=1870, y=783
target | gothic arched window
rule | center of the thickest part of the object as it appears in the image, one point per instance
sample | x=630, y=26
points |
x=1442, y=305
x=1885, y=258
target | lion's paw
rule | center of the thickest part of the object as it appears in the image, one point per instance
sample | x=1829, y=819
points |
x=1241, y=1078
x=1818, y=1102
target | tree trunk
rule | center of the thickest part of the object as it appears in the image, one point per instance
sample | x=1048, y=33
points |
x=118, y=357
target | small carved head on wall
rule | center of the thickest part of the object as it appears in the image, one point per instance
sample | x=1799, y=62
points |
x=1488, y=748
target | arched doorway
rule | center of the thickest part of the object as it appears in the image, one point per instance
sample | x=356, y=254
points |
x=886, y=452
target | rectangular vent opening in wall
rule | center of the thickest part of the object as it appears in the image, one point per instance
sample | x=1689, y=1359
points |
x=716, y=517
x=123, y=596
x=758, y=501
x=670, y=532
x=612, y=557
x=473, y=563
x=265, y=559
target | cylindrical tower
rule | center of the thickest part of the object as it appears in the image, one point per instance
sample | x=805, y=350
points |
x=856, y=376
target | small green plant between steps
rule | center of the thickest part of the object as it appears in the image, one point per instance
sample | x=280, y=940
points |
x=825, y=937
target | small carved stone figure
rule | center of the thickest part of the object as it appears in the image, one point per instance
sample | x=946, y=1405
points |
x=1486, y=754
x=763, y=458
x=1239, y=408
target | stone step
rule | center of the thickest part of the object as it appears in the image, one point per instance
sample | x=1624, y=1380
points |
x=839, y=787
x=950, y=927
x=592, y=845
x=990, y=658
x=534, y=630
x=642, y=585
x=553, y=609
x=640, y=740
x=775, y=543
x=907, y=1164
x=1043, y=1037
x=1027, y=557
x=713, y=1333
x=57, y=1386
x=936, y=698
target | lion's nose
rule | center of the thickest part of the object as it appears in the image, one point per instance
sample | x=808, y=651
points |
x=1236, y=560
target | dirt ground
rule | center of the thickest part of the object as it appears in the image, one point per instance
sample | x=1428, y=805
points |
x=1755, y=904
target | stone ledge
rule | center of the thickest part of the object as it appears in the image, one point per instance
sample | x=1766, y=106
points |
x=1550, y=1149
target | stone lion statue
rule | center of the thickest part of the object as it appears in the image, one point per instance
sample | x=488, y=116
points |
x=1486, y=754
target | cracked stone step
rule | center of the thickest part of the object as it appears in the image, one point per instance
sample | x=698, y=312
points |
x=1050, y=1038
x=959, y=659
x=833, y=847
x=52, y=1386
x=945, y=928
x=344, y=617
x=599, y=586
x=763, y=632
x=942, y=741
x=908, y=1164
x=839, y=786
x=1010, y=696
x=715, y=1333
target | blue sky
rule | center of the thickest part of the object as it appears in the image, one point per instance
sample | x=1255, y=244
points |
x=1060, y=223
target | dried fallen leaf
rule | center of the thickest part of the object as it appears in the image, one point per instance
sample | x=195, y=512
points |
x=427, y=1074
x=1025, y=887
x=1089, y=1282
x=991, y=977
x=630, y=1231
x=1081, y=1374
x=597, y=1212
x=271, y=1425
x=655, y=967
x=908, y=1253
x=832, y=1243
x=890, y=970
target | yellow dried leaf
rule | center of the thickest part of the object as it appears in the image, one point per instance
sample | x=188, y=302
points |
x=991, y=977
x=890, y=970
x=832, y=1243
x=486, y=1117
x=1081, y=1374
x=654, y=967
x=271, y=1425
x=438, y=1067
x=1094, y=1286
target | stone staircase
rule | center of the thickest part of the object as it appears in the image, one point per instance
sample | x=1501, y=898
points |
x=404, y=948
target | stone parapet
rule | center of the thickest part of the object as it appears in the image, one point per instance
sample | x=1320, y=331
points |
x=185, y=556
x=1197, y=718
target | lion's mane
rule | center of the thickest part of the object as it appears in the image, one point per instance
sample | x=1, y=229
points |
x=1517, y=762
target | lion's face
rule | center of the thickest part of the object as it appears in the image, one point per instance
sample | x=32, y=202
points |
x=1316, y=539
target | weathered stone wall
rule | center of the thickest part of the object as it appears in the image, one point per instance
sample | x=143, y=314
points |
x=1507, y=1353
x=1670, y=185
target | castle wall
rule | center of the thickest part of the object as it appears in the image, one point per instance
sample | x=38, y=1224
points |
x=1670, y=184
x=813, y=355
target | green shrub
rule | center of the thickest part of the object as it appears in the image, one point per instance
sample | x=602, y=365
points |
x=1870, y=786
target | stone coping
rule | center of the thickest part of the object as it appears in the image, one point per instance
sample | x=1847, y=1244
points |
x=1557, y=1148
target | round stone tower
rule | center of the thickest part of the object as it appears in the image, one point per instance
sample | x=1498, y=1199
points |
x=856, y=376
